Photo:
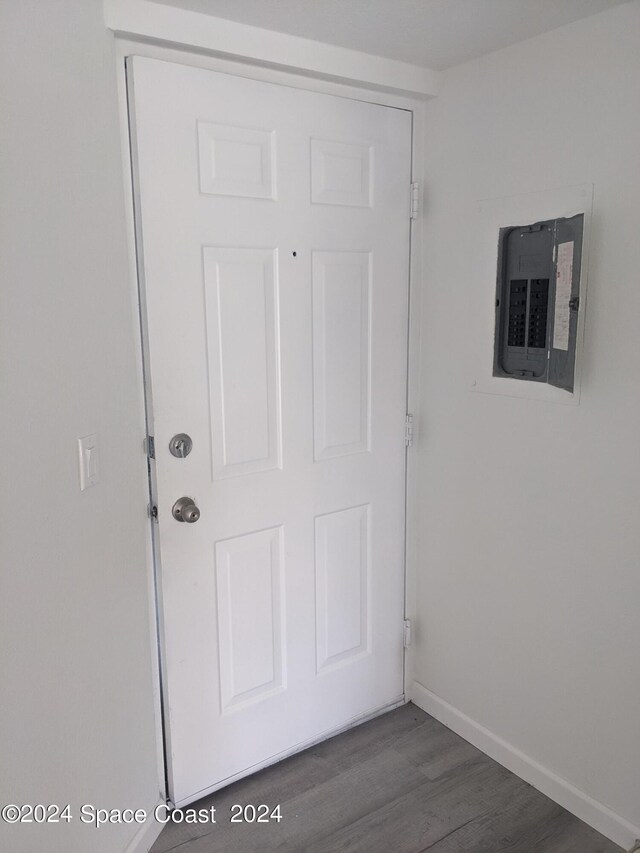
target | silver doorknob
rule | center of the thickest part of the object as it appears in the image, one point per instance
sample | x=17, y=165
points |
x=185, y=509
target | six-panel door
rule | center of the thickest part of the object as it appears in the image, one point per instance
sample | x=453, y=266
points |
x=273, y=233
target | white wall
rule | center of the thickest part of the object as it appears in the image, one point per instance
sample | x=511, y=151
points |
x=76, y=716
x=534, y=638
x=529, y=578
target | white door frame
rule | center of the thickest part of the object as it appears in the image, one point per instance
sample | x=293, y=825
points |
x=186, y=56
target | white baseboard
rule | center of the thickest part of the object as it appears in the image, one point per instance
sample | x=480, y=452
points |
x=144, y=838
x=597, y=815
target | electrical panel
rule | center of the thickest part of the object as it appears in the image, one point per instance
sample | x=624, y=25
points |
x=537, y=301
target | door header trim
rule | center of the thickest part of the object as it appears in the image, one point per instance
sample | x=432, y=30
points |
x=160, y=24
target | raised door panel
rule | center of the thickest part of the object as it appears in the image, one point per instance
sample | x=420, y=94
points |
x=250, y=588
x=342, y=558
x=341, y=352
x=341, y=173
x=241, y=295
x=236, y=161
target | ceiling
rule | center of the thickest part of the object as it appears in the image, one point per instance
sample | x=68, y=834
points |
x=432, y=33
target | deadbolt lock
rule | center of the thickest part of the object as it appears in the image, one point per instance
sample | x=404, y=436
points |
x=180, y=445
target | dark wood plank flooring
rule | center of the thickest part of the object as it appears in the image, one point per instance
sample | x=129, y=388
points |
x=402, y=783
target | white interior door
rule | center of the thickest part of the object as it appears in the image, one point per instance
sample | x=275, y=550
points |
x=273, y=228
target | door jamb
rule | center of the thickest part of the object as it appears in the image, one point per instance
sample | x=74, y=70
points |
x=127, y=47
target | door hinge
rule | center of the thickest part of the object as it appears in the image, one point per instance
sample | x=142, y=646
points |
x=151, y=447
x=406, y=633
x=408, y=431
x=153, y=511
x=415, y=200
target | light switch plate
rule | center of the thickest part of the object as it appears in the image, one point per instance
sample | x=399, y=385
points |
x=88, y=458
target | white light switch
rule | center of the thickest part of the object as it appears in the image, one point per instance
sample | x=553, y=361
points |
x=88, y=459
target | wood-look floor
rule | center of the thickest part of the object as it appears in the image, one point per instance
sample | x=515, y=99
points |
x=402, y=783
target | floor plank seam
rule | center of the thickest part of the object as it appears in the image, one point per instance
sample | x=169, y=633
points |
x=456, y=829
x=357, y=820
